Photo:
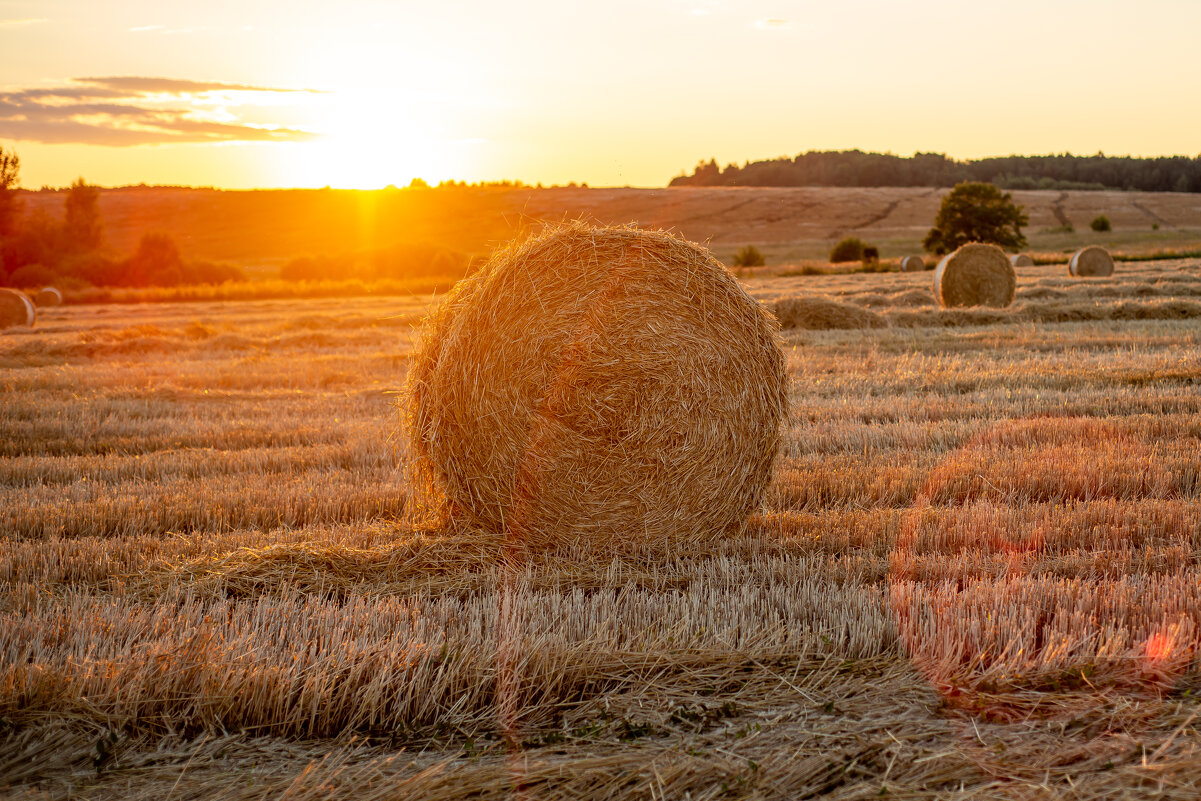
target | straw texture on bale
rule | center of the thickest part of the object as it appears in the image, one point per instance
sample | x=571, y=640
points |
x=1091, y=261
x=821, y=314
x=1021, y=260
x=975, y=275
x=48, y=296
x=911, y=264
x=591, y=383
x=15, y=309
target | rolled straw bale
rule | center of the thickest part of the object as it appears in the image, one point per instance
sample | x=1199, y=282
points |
x=15, y=309
x=820, y=314
x=1091, y=261
x=591, y=383
x=912, y=264
x=48, y=296
x=1021, y=260
x=975, y=275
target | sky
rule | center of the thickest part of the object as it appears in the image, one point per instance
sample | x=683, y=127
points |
x=367, y=93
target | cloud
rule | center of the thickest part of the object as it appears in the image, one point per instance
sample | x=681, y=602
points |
x=121, y=111
x=20, y=23
x=773, y=24
x=137, y=83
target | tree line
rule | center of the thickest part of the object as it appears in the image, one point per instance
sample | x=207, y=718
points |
x=856, y=168
x=38, y=249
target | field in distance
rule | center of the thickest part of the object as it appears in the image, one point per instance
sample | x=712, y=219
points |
x=975, y=576
x=789, y=225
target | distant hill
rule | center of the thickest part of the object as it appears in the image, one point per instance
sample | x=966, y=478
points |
x=856, y=168
x=272, y=226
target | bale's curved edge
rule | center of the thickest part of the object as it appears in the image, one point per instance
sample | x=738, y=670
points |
x=47, y=297
x=976, y=274
x=597, y=382
x=16, y=309
x=911, y=264
x=1091, y=262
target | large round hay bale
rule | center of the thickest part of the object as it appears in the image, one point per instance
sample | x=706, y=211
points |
x=1091, y=261
x=597, y=383
x=912, y=264
x=975, y=275
x=48, y=296
x=821, y=314
x=1021, y=260
x=15, y=309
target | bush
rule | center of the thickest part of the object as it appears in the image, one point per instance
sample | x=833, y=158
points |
x=32, y=276
x=749, y=256
x=976, y=212
x=1100, y=223
x=210, y=272
x=848, y=249
x=871, y=255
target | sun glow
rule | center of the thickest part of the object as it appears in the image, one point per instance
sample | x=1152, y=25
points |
x=367, y=139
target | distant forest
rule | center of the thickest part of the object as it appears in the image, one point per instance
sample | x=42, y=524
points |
x=856, y=168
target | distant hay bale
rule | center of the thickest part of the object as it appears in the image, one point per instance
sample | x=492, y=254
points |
x=48, y=296
x=15, y=309
x=1021, y=260
x=597, y=383
x=912, y=264
x=1091, y=261
x=975, y=275
x=820, y=314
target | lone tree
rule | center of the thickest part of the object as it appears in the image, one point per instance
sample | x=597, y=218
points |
x=82, y=228
x=10, y=203
x=976, y=212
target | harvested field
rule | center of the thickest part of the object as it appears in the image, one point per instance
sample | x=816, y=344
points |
x=975, y=574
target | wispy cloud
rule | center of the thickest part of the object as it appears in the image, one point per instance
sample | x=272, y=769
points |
x=19, y=23
x=138, y=110
x=773, y=24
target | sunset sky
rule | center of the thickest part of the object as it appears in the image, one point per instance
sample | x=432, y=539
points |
x=265, y=93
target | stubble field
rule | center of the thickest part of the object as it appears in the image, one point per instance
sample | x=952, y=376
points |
x=976, y=575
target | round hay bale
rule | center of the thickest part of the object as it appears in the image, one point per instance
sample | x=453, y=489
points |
x=48, y=296
x=912, y=264
x=822, y=314
x=1091, y=261
x=975, y=275
x=1021, y=260
x=598, y=383
x=15, y=309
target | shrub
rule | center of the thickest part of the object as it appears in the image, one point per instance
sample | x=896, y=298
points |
x=976, y=212
x=848, y=249
x=32, y=276
x=749, y=256
x=210, y=272
x=1100, y=223
x=871, y=255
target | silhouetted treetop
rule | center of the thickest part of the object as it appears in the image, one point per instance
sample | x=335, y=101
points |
x=856, y=168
